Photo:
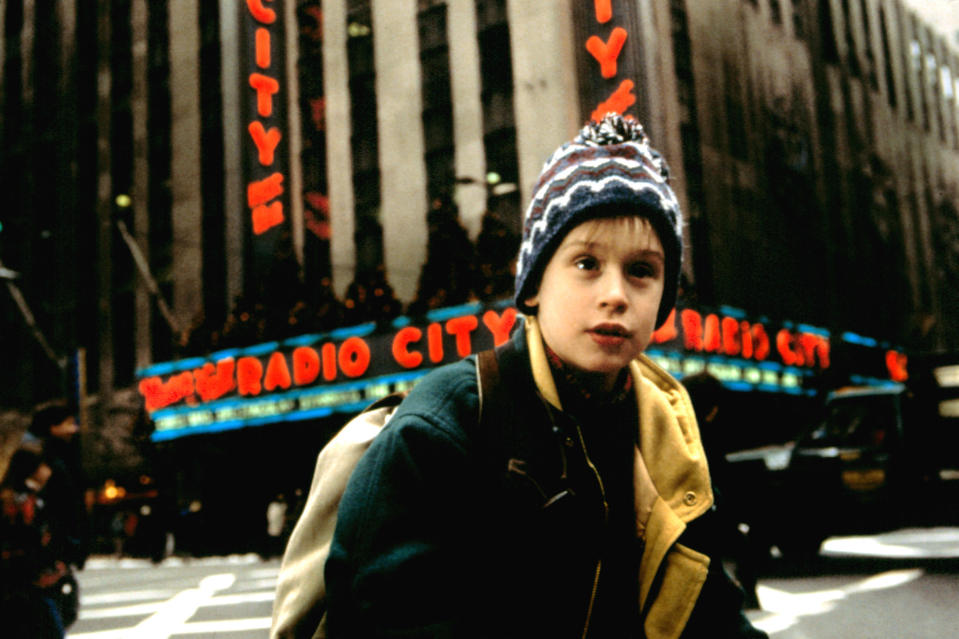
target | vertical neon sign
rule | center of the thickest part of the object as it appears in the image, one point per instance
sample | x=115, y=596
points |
x=606, y=73
x=265, y=119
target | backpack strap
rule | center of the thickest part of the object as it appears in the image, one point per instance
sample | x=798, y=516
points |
x=488, y=381
x=391, y=401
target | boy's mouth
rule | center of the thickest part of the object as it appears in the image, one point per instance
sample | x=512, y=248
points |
x=610, y=330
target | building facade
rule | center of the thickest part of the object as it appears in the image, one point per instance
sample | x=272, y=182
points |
x=260, y=152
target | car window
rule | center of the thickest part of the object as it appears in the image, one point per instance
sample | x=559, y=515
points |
x=860, y=422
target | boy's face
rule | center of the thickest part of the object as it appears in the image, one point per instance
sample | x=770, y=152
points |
x=599, y=295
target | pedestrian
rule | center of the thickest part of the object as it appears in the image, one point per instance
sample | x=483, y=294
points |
x=29, y=568
x=54, y=425
x=710, y=402
x=275, y=526
x=587, y=511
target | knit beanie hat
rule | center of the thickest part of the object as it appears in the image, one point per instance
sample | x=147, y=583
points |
x=607, y=169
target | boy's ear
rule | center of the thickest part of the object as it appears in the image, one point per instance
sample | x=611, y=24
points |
x=532, y=301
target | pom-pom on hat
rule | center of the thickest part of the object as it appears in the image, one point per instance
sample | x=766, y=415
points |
x=608, y=169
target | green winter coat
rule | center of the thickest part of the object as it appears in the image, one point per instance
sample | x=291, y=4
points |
x=433, y=539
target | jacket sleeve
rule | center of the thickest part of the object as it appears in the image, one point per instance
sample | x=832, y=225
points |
x=719, y=609
x=399, y=559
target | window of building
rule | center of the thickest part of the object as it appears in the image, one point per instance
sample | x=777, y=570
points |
x=437, y=102
x=954, y=109
x=887, y=59
x=499, y=129
x=122, y=268
x=917, y=52
x=799, y=21
x=776, y=11
x=906, y=62
x=948, y=97
x=830, y=52
x=86, y=189
x=692, y=155
x=316, y=210
x=934, y=76
x=212, y=179
x=852, y=56
x=364, y=141
x=735, y=109
x=159, y=154
x=867, y=45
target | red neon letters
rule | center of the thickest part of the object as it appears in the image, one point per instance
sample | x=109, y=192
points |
x=265, y=213
x=739, y=338
x=607, y=55
x=897, y=365
x=351, y=359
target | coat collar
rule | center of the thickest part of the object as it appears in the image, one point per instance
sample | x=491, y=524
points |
x=668, y=434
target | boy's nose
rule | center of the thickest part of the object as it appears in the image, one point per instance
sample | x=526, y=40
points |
x=613, y=292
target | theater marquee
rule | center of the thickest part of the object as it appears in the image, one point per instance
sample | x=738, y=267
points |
x=315, y=375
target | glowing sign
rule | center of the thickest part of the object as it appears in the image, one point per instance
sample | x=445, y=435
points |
x=314, y=375
x=606, y=53
x=314, y=361
x=713, y=333
x=265, y=188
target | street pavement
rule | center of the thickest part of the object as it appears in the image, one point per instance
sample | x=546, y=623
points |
x=183, y=598
x=898, y=585
x=903, y=584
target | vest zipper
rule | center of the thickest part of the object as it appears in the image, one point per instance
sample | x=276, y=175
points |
x=599, y=562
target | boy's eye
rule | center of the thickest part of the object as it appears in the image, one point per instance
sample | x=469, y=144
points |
x=641, y=269
x=587, y=263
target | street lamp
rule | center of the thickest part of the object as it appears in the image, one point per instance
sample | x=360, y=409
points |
x=123, y=202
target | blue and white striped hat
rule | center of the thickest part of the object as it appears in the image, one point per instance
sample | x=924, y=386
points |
x=607, y=166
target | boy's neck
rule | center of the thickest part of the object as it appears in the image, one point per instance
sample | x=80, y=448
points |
x=587, y=387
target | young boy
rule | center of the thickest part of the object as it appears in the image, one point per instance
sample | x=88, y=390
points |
x=581, y=508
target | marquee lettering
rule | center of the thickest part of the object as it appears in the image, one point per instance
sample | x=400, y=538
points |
x=289, y=381
x=249, y=371
x=277, y=373
x=461, y=327
x=604, y=10
x=261, y=13
x=739, y=338
x=354, y=357
x=401, y=352
x=264, y=190
x=262, y=48
x=620, y=100
x=214, y=381
x=896, y=364
x=265, y=141
x=265, y=214
x=500, y=325
x=304, y=366
x=266, y=87
x=607, y=55
x=667, y=332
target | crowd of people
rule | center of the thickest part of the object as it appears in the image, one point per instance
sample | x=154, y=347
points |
x=456, y=271
x=43, y=528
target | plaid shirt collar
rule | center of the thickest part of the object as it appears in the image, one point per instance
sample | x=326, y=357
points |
x=569, y=382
